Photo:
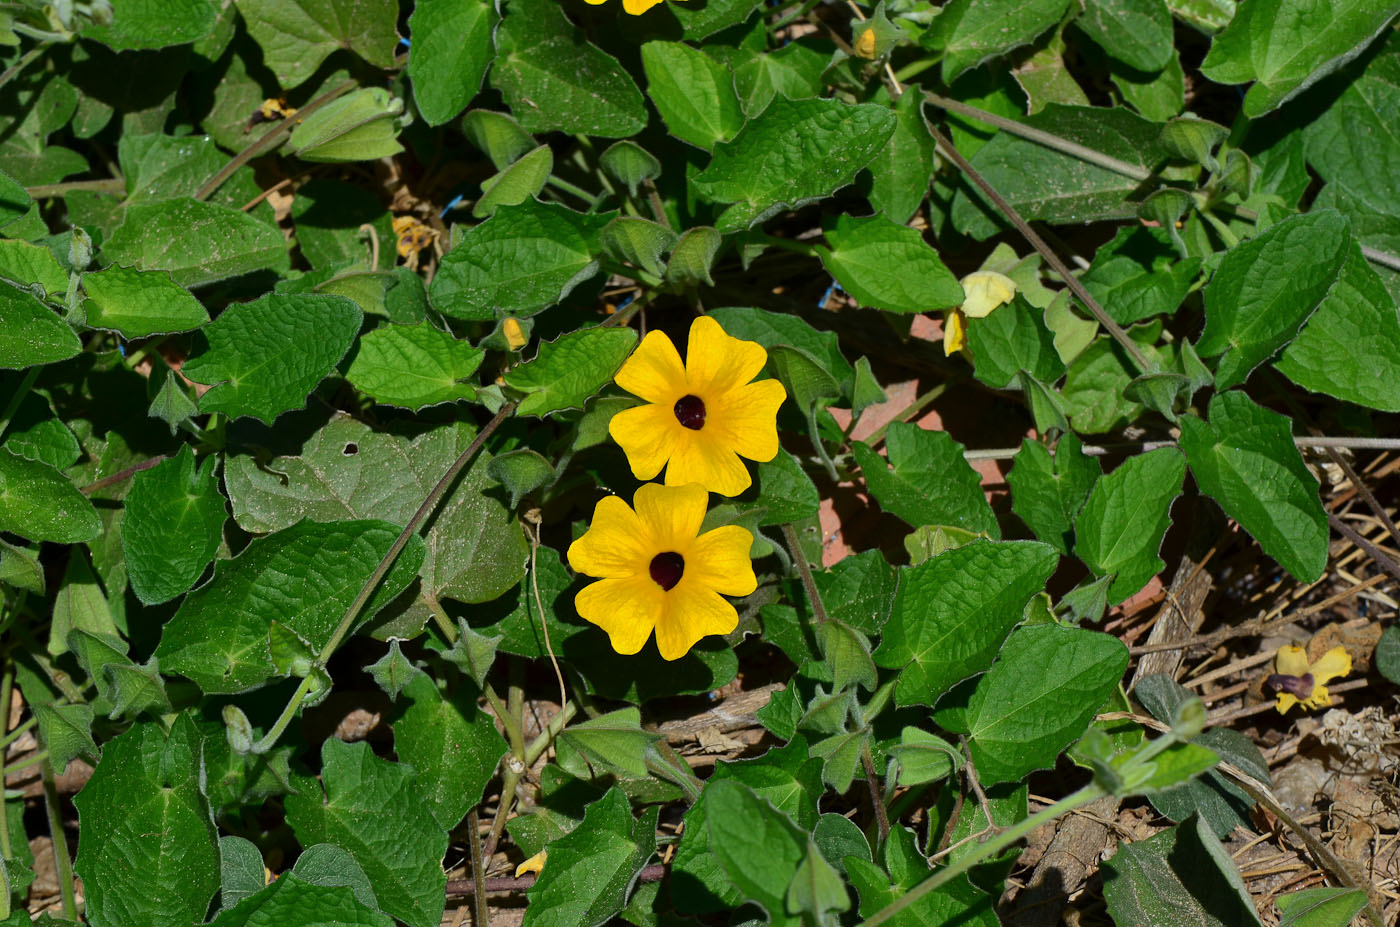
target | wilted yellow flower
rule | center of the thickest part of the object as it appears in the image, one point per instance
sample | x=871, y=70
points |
x=985, y=290
x=413, y=235
x=700, y=416
x=659, y=572
x=635, y=7
x=1297, y=682
x=533, y=864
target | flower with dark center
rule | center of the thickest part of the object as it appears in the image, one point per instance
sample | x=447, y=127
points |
x=1295, y=681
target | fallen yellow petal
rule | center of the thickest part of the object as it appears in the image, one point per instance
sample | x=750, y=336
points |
x=986, y=289
x=533, y=864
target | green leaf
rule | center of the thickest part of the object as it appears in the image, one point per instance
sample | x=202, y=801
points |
x=475, y=549
x=391, y=673
x=785, y=492
x=452, y=744
x=1121, y=526
x=1158, y=96
x=30, y=333
x=140, y=303
x=414, y=366
x=37, y=433
x=14, y=199
x=328, y=215
x=1353, y=143
x=1388, y=653
x=1252, y=310
x=758, y=846
x=900, y=172
x=762, y=173
x=638, y=241
x=523, y=259
x=701, y=22
x=970, y=32
x=1135, y=32
x=302, y=578
x=360, y=126
x=693, y=93
x=807, y=383
x=888, y=266
x=23, y=263
x=816, y=889
x=1350, y=347
x=196, y=242
x=553, y=79
x=1138, y=275
x=1096, y=381
x=1039, y=697
x=326, y=864
x=923, y=757
x=1046, y=79
x=149, y=24
x=241, y=870
x=1048, y=493
x=147, y=847
x=66, y=731
x=450, y=51
x=1320, y=907
x=615, y=741
x=79, y=605
x=952, y=613
x=1246, y=460
x=497, y=135
x=591, y=868
x=136, y=690
x=472, y=653
x=847, y=652
x=792, y=72
x=693, y=256
x=566, y=372
x=1012, y=339
x=1044, y=184
x=41, y=504
x=265, y=357
x=374, y=809
x=290, y=900
x=771, y=329
x=630, y=163
x=1284, y=47
x=515, y=184
x=297, y=35
x=174, y=523
x=955, y=903
x=930, y=483
x=1182, y=875
x=158, y=167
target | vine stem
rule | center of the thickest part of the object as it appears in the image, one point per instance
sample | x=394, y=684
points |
x=25, y=60
x=385, y=564
x=1101, y=450
x=60, y=843
x=481, y=911
x=992, y=847
x=7, y=685
x=804, y=569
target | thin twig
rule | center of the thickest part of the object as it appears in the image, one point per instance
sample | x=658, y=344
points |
x=121, y=475
x=1382, y=560
x=1102, y=450
x=1365, y=492
x=877, y=801
x=482, y=912
x=804, y=569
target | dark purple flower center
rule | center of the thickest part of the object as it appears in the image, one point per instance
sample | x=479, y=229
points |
x=667, y=569
x=690, y=412
x=1300, y=687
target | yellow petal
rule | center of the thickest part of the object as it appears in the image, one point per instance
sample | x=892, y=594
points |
x=716, y=362
x=954, y=332
x=649, y=435
x=1285, y=701
x=693, y=612
x=706, y=460
x=533, y=864
x=986, y=290
x=671, y=515
x=746, y=419
x=613, y=545
x=654, y=371
x=515, y=335
x=1320, y=697
x=1334, y=664
x=720, y=560
x=1291, y=661
x=627, y=609
x=864, y=45
x=638, y=7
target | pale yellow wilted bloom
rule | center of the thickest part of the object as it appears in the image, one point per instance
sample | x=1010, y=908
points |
x=984, y=291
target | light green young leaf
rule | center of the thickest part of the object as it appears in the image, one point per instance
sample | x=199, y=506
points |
x=630, y=164
x=197, y=242
x=23, y=263
x=79, y=605
x=693, y=256
x=414, y=366
x=30, y=332
x=497, y=135
x=520, y=471
x=888, y=266
x=930, y=483
x=1246, y=460
x=140, y=303
x=391, y=673
x=566, y=372
x=970, y=32
x=360, y=126
x=693, y=93
x=639, y=242
x=515, y=184
x=1121, y=526
x=297, y=35
x=615, y=742
x=41, y=504
x=450, y=51
x=1320, y=907
x=452, y=744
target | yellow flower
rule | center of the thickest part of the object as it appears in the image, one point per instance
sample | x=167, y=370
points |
x=533, y=864
x=635, y=7
x=658, y=572
x=864, y=45
x=700, y=416
x=1297, y=682
x=515, y=334
x=985, y=290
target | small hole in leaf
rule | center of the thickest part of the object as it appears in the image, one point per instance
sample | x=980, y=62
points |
x=351, y=449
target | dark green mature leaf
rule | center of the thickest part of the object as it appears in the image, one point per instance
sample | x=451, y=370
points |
x=1320, y=907
x=414, y=366
x=241, y=870
x=197, y=242
x=693, y=93
x=66, y=731
x=1181, y=876
x=158, y=167
x=329, y=865
x=297, y=35
x=1121, y=526
x=139, y=303
x=888, y=266
x=1048, y=493
x=762, y=172
x=1284, y=47
x=703, y=21
x=758, y=846
x=328, y=215
x=373, y=809
x=1135, y=32
x=772, y=329
x=1138, y=275
x=1044, y=184
x=1350, y=347
x=153, y=24
x=566, y=372
x=1355, y=143
x=1039, y=697
x=30, y=332
x=793, y=72
x=785, y=491
x=1012, y=339
x=553, y=79
x=930, y=483
x=301, y=579
x=1267, y=287
x=958, y=902
x=859, y=590
x=1388, y=654
x=523, y=259
x=41, y=504
x=147, y=847
x=590, y=869
x=900, y=173
x=451, y=49
x=291, y=900
x=972, y=31
x=452, y=744
x=1246, y=460
x=1097, y=380
x=174, y=522
x=265, y=357
x=952, y=613
x=14, y=199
